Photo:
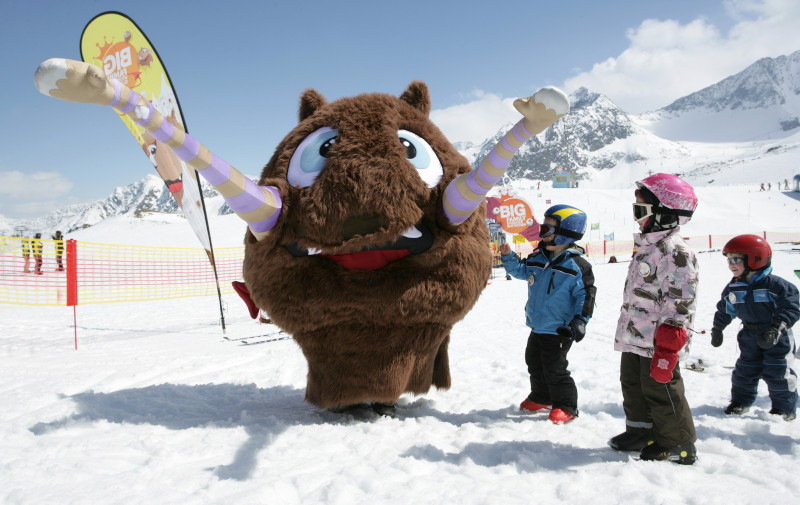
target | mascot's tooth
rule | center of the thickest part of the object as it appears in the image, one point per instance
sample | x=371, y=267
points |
x=314, y=251
x=412, y=232
x=48, y=73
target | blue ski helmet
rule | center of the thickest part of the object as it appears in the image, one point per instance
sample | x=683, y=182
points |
x=571, y=223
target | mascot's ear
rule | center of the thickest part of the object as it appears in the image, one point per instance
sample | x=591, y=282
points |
x=418, y=97
x=310, y=101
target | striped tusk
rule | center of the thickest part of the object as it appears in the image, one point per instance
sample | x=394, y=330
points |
x=75, y=81
x=466, y=192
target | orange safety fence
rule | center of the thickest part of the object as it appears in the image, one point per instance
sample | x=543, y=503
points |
x=69, y=273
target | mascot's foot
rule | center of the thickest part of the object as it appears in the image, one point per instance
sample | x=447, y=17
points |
x=344, y=409
x=383, y=409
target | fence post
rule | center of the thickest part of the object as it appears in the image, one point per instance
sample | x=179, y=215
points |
x=72, y=273
x=72, y=283
x=604, y=247
x=709, y=241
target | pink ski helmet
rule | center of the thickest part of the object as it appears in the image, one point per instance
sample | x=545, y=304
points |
x=673, y=193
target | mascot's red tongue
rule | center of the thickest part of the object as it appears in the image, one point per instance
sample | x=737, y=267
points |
x=367, y=260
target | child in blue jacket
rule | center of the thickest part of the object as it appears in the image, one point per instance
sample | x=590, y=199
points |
x=768, y=307
x=561, y=296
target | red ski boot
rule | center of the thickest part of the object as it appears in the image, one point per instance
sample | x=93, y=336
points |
x=559, y=416
x=531, y=406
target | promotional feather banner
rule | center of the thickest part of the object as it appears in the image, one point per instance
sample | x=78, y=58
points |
x=115, y=43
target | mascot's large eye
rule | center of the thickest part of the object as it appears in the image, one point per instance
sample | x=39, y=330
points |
x=309, y=157
x=421, y=155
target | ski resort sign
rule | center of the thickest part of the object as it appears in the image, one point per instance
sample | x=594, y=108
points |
x=512, y=212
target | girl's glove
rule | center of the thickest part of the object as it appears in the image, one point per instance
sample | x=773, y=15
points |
x=669, y=340
x=575, y=330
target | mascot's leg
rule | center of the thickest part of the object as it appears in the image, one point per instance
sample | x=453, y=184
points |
x=344, y=370
x=441, y=366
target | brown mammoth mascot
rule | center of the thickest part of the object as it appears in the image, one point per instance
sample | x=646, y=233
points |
x=366, y=240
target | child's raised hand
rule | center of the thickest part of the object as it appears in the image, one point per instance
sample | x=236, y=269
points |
x=505, y=249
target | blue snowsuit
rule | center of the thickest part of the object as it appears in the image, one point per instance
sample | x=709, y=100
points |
x=764, y=300
x=558, y=290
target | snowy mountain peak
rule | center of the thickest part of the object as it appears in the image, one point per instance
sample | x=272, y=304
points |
x=148, y=194
x=760, y=102
x=767, y=83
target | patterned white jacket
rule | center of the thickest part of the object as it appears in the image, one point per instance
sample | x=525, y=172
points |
x=661, y=288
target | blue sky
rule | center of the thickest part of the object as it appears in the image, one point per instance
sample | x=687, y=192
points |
x=239, y=66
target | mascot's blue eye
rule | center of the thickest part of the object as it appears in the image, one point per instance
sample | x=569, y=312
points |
x=421, y=155
x=309, y=157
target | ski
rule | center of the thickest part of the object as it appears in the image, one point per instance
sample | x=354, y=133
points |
x=696, y=366
x=250, y=337
x=256, y=342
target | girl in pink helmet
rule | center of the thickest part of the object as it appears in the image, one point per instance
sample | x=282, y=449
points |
x=657, y=308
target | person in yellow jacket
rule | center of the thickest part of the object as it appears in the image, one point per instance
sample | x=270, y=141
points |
x=26, y=254
x=37, y=247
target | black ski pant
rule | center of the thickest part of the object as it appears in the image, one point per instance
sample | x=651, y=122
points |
x=651, y=405
x=551, y=383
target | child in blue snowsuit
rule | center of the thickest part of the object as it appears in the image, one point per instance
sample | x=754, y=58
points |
x=561, y=296
x=768, y=307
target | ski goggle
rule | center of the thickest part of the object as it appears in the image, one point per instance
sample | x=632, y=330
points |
x=735, y=260
x=642, y=211
x=545, y=230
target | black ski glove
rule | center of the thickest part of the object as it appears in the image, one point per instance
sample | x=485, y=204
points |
x=575, y=330
x=769, y=338
x=716, y=336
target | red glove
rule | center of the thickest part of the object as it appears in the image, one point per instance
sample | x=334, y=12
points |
x=244, y=293
x=669, y=340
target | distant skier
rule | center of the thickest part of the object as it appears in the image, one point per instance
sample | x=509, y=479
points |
x=37, y=252
x=59, y=245
x=768, y=307
x=26, y=254
x=658, y=306
x=561, y=296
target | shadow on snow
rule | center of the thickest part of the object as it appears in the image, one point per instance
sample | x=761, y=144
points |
x=265, y=413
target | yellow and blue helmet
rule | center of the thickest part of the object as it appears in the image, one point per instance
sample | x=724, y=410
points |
x=571, y=224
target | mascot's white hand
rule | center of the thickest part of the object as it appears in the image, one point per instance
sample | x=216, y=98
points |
x=544, y=108
x=73, y=81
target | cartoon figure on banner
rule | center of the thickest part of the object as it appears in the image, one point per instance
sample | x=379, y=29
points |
x=368, y=277
x=513, y=213
x=166, y=163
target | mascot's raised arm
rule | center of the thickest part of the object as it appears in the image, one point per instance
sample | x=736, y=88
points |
x=366, y=234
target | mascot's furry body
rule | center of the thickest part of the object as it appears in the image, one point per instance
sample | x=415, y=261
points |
x=366, y=235
x=368, y=334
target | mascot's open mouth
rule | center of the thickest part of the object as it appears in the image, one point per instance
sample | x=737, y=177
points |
x=415, y=240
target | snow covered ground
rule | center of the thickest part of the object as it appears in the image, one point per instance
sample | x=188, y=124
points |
x=156, y=407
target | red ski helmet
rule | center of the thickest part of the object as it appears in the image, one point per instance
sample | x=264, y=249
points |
x=756, y=250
